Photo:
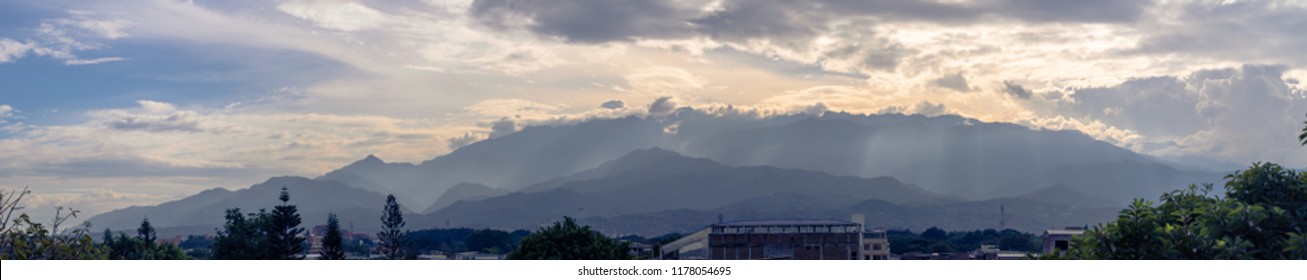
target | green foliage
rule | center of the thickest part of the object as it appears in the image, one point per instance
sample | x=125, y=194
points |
x=262, y=235
x=934, y=233
x=27, y=240
x=241, y=237
x=146, y=233
x=453, y=240
x=1262, y=215
x=392, y=238
x=566, y=240
x=332, y=243
x=1303, y=137
x=142, y=246
x=490, y=241
x=935, y=240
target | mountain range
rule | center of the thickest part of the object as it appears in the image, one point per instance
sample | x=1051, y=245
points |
x=635, y=174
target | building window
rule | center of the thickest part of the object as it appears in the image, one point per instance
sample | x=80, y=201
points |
x=876, y=247
x=866, y=246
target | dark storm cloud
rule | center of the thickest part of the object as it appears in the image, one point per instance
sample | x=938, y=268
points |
x=587, y=21
x=1016, y=90
x=596, y=21
x=1243, y=31
x=662, y=105
x=953, y=81
x=613, y=104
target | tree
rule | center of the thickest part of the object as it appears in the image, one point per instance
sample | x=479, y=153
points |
x=392, y=237
x=332, y=247
x=240, y=238
x=285, y=237
x=934, y=233
x=1303, y=137
x=24, y=239
x=566, y=240
x=489, y=241
x=1262, y=215
x=147, y=234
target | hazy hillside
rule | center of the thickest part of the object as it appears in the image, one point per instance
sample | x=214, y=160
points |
x=463, y=192
x=672, y=182
x=945, y=154
x=314, y=199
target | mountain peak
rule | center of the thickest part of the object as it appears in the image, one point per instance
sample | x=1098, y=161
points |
x=369, y=161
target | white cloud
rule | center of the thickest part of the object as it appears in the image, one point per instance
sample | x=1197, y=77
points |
x=92, y=61
x=339, y=15
x=11, y=50
x=512, y=107
x=6, y=111
x=663, y=80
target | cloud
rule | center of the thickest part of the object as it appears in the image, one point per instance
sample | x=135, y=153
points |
x=512, y=107
x=613, y=104
x=343, y=16
x=588, y=21
x=1226, y=114
x=460, y=141
x=921, y=108
x=663, y=80
x=1246, y=31
x=152, y=116
x=92, y=61
x=953, y=81
x=1016, y=90
x=6, y=111
x=739, y=20
x=11, y=50
x=63, y=38
x=662, y=105
x=502, y=127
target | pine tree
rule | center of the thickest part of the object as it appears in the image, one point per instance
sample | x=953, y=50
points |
x=108, y=238
x=147, y=236
x=146, y=233
x=332, y=243
x=285, y=237
x=392, y=237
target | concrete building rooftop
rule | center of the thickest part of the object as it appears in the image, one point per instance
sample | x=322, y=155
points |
x=789, y=222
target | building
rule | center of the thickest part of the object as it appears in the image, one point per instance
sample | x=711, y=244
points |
x=690, y=247
x=1060, y=239
x=991, y=252
x=474, y=255
x=785, y=239
x=875, y=245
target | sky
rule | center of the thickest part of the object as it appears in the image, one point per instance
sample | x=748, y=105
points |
x=106, y=104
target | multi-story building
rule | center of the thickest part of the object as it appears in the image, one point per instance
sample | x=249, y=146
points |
x=1060, y=239
x=785, y=239
x=875, y=245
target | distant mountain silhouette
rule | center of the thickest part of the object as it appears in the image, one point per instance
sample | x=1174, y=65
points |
x=902, y=170
x=949, y=155
x=657, y=180
x=314, y=199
